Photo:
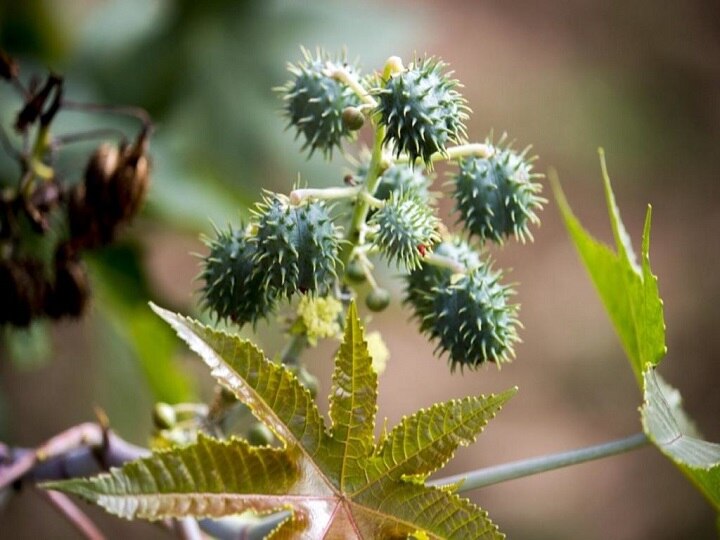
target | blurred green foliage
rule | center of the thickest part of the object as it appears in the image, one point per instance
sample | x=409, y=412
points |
x=205, y=72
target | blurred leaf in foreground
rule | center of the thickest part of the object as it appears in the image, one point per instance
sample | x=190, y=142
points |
x=630, y=294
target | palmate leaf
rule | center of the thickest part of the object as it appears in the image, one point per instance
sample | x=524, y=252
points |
x=336, y=481
x=630, y=294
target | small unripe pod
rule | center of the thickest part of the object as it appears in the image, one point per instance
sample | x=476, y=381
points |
x=308, y=380
x=378, y=299
x=163, y=416
x=354, y=272
x=260, y=435
x=353, y=118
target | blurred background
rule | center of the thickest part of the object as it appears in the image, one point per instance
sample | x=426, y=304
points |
x=639, y=78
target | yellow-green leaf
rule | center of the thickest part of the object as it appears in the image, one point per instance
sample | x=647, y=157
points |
x=335, y=483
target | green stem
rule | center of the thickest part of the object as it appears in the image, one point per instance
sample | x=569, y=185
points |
x=456, y=152
x=377, y=165
x=444, y=262
x=343, y=75
x=518, y=469
x=294, y=348
x=297, y=196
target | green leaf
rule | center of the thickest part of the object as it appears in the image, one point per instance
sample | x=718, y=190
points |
x=337, y=483
x=630, y=294
x=208, y=479
x=628, y=291
x=426, y=441
x=668, y=427
x=353, y=403
x=122, y=290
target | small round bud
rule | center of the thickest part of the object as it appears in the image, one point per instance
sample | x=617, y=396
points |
x=353, y=118
x=260, y=435
x=163, y=416
x=355, y=272
x=378, y=299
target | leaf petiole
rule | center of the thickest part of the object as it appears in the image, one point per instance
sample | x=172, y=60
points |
x=527, y=467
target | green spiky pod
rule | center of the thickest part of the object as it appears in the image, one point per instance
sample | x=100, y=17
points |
x=399, y=178
x=314, y=102
x=472, y=319
x=406, y=229
x=420, y=283
x=232, y=290
x=297, y=246
x=496, y=196
x=422, y=110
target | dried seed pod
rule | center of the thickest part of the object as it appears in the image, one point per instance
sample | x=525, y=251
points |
x=22, y=290
x=131, y=179
x=41, y=202
x=70, y=290
x=87, y=229
x=100, y=169
x=9, y=68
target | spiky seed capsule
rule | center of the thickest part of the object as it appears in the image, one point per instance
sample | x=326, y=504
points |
x=496, y=196
x=406, y=229
x=232, y=289
x=473, y=320
x=314, y=102
x=297, y=246
x=422, y=110
x=421, y=282
x=399, y=178
x=378, y=299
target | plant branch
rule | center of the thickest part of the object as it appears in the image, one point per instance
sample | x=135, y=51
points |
x=528, y=467
x=341, y=74
x=70, y=511
x=456, y=152
x=444, y=262
x=90, y=448
x=297, y=196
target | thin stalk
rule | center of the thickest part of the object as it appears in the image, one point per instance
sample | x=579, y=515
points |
x=343, y=75
x=444, y=262
x=72, y=513
x=456, y=152
x=297, y=196
x=293, y=349
x=528, y=467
